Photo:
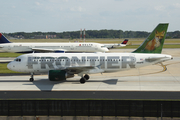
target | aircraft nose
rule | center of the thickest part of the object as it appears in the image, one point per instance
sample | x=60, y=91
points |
x=106, y=50
x=9, y=66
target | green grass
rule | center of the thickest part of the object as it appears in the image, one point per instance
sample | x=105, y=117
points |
x=136, y=46
x=10, y=54
x=101, y=40
x=4, y=69
x=172, y=46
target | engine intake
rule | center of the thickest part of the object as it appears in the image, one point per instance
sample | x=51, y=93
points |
x=57, y=75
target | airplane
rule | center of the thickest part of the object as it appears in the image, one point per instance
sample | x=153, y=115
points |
x=7, y=46
x=110, y=46
x=60, y=66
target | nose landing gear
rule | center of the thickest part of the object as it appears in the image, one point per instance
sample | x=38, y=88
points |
x=31, y=79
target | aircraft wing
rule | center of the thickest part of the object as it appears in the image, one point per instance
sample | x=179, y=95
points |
x=48, y=50
x=83, y=69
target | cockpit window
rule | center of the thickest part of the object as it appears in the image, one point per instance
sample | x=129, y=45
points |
x=17, y=60
x=102, y=46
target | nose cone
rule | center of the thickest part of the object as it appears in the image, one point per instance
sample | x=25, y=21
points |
x=105, y=49
x=9, y=66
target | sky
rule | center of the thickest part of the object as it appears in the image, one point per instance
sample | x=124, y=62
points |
x=73, y=15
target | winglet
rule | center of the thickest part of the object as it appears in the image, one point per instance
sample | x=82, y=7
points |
x=155, y=41
x=3, y=39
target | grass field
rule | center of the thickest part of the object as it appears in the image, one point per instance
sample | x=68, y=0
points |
x=10, y=54
x=131, y=40
x=4, y=69
x=136, y=46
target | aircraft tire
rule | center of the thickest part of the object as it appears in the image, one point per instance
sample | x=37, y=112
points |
x=82, y=80
x=31, y=79
x=86, y=77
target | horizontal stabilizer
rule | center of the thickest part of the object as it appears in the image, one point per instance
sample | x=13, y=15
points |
x=153, y=59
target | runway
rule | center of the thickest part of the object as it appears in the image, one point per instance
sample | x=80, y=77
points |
x=149, y=82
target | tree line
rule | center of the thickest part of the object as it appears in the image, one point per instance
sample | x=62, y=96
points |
x=89, y=34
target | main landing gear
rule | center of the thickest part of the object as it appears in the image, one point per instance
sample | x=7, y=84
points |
x=31, y=79
x=83, y=79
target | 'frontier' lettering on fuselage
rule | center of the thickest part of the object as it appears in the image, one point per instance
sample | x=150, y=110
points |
x=105, y=62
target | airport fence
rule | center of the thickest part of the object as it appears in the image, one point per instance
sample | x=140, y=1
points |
x=128, y=108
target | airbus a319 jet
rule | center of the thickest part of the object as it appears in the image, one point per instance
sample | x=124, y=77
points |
x=7, y=46
x=60, y=66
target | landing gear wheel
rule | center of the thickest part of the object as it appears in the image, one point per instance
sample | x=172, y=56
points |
x=31, y=79
x=82, y=80
x=86, y=77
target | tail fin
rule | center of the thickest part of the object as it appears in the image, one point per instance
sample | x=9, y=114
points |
x=154, y=42
x=125, y=41
x=3, y=39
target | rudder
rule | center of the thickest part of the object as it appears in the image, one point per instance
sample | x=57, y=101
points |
x=125, y=41
x=3, y=39
x=155, y=41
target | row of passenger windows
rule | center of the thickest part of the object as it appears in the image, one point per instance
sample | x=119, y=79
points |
x=85, y=44
x=55, y=46
x=82, y=60
x=64, y=46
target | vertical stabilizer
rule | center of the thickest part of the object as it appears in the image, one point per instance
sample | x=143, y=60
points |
x=125, y=41
x=3, y=39
x=155, y=41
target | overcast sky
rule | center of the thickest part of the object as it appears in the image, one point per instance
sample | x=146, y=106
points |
x=72, y=15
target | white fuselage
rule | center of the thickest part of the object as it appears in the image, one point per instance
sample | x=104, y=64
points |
x=46, y=47
x=105, y=62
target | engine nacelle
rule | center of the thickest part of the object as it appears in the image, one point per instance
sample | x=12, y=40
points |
x=57, y=75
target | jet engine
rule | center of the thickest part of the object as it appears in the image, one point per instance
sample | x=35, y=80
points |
x=57, y=75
